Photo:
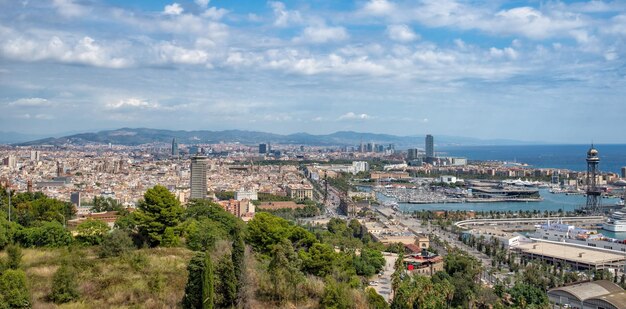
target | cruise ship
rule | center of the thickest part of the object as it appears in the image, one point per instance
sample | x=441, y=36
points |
x=616, y=222
x=558, y=231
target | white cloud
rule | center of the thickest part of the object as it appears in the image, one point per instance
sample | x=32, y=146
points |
x=31, y=102
x=69, y=50
x=354, y=116
x=215, y=13
x=170, y=53
x=202, y=3
x=379, y=7
x=505, y=52
x=67, y=8
x=173, y=9
x=401, y=33
x=131, y=103
x=283, y=16
x=322, y=34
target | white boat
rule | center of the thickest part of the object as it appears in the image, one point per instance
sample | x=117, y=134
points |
x=557, y=231
x=616, y=222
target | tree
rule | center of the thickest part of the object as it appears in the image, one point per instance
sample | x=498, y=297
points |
x=226, y=289
x=238, y=255
x=48, y=234
x=193, y=289
x=208, y=284
x=265, y=230
x=91, y=232
x=157, y=211
x=524, y=294
x=284, y=269
x=375, y=300
x=115, y=243
x=64, y=286
x=336, y=295
x=202, y=234
x=13, y=289
x=318, y=260
x=14, y=256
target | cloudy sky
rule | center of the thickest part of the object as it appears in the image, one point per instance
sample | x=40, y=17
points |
x=530, y=70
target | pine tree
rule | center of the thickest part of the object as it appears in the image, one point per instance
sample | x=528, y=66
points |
x=14, y=254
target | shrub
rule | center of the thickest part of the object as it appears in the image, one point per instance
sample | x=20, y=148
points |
x=115, y=243
x=64, y=286
x=91, y=232
x=13, y=289
x=14, y=254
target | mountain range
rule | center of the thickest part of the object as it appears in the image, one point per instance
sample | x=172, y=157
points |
x=138, y=136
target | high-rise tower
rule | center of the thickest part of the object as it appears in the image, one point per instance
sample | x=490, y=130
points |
x=593, y=193
x=174, y=148
x=198, y=180
x=430, y=146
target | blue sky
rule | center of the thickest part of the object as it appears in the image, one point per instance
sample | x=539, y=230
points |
x=552, y=71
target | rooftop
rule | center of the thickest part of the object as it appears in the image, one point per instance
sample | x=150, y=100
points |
x=570, y=253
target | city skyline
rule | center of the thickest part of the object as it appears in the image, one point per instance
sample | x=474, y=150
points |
x=527, y=70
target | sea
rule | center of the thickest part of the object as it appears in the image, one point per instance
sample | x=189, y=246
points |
x=571, y=157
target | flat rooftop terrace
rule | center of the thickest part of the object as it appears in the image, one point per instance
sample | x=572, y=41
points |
x=570, y=253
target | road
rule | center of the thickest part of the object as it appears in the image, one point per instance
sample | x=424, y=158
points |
x=382, y=283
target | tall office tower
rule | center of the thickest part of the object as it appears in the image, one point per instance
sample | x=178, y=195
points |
x=198, y=177
x=430, y=146
x=59, y=168
x=75, y=198
x=412, y=154
x=174, y=148
x=34, y=155
x=263, y=148
x=623, y=172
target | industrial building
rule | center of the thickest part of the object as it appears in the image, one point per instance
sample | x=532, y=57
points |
x=589, y=295
x=579, y=257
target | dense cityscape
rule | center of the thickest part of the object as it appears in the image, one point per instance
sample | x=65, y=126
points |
x=517, y=257
x=357, y=154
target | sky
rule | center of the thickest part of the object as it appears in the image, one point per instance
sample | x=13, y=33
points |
x=551, y=71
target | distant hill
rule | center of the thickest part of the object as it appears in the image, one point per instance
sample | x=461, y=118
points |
x=138, y=136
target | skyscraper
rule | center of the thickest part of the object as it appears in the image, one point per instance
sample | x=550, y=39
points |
x=263, y=148
x=430, y=146
x=174, y=148
x=198, y=183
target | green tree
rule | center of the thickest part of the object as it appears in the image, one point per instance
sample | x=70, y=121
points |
x=266, y=230
x=202, y=234
x=115, y=243
x=208, y=284
x=170, y=238
x=91, y=232
x=193, y=289
x=14, y=256
x=48, y=234
x=375, y=300
x=14, y=290
x=157, y=211
x=64, y=286
x=336, y=295
x=284, y=269
x=318, y=260
x=226, y=289
x=524, y=294
x=238, y=256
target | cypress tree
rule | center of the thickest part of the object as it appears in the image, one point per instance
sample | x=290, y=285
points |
x=193, y=290
x=226, y=290
x=238, y=254
x=208, y=283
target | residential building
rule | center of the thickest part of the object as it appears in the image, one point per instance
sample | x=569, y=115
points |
x=300, y=191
